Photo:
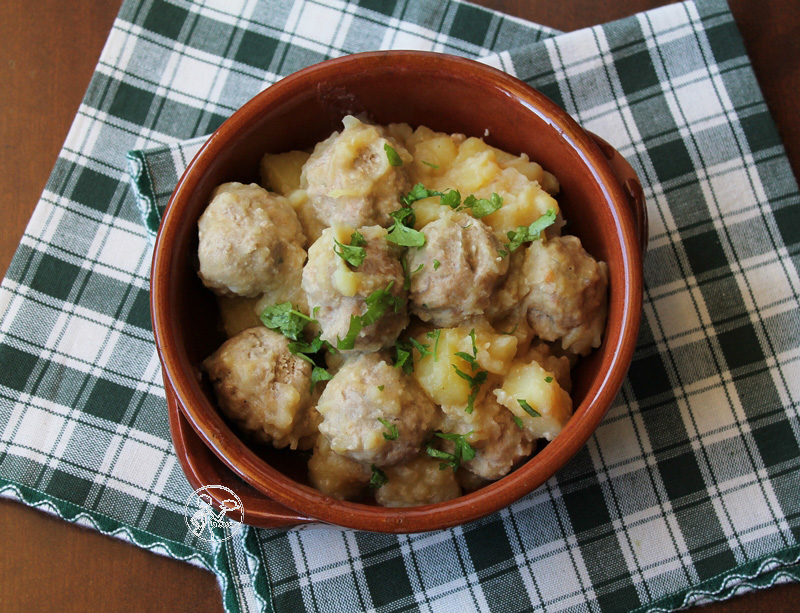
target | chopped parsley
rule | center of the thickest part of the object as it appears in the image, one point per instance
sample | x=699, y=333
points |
x=380, y=388
x=285, y=319
x=435, y=334
x=407, y=275
x=481, y=207
x=462, y=452
x=418, y=192
x=404, y=354
x=548, y=379
x=378, y=302
x=354, y=253
x=402, y=231
x=526, y=234
x=379, y=477
x=392, y=155
x=436, y=264
x=392, y=434
x=291, y=323
x=475, y=380
x=528, y=408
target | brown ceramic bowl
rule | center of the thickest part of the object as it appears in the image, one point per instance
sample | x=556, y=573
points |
x=599, y=197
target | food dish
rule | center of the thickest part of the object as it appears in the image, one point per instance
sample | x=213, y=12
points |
x=381, y=83
x=454, y=371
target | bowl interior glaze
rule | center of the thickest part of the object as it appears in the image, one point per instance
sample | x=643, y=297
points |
x=446, y=94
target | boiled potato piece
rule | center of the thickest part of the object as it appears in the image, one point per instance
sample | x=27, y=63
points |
x=280, y=172
x=238, y=314
x=435, y=372
x=530, y=383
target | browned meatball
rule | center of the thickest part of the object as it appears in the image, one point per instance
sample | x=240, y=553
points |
x=454, y=274
x=250, y=243
x=568, y=293
x=341, y=290
x=365, y=391
x=349, y=179
x=265, y=389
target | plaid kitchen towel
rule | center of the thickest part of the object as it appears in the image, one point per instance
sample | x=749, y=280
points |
x=687, y=492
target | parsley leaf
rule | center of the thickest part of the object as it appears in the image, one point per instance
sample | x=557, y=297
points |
x=528, y=408
x=354, y=253
x=475, y=381
x=436, y=264
x=403, y=358
x=481, y=207
x=392, y=155
x=392, y=434
x=285, y=319
x=418, y=192
x=462, y=452
x=378, y=302
x=379, y=477
x=401, y=232
x=450, y=197
x=526, y=234
x=548, y=379
x=404, y=355
x=435, y=334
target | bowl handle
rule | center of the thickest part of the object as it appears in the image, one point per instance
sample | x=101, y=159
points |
x=202, y=467
x=630, y=184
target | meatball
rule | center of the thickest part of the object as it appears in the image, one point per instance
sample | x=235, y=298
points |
x=349, y=178
x=456, y=271
x=568, y=295
x=498, y=442
x=373, y=413
x=251, y=243
x=336, y=475
x=417, y=482
x=265, y=389
x=342, y=291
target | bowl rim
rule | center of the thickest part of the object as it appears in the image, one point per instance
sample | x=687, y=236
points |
x=493, y=497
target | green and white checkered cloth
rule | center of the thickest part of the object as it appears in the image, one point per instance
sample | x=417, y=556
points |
x=690, y=488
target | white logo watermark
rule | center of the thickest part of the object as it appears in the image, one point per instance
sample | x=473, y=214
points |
x=205, y=521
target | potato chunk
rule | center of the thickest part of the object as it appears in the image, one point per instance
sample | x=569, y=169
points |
x=530, y=383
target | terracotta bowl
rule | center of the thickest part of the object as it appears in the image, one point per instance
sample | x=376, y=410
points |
x=600, y=197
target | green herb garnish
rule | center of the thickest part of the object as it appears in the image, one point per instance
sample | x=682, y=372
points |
x=392, y=434
x=354, y=253
x=379, y=477
x=285, y=319
x=404, y=355
x=435, y=334
x=528, y=408
x=517, y=421
x=481, y=207
x=402, y=231
x=436, y=264
x=526, y=234
x=463, y=451
x=380, y=388
x=378, y=302
x=475, y=380
x=392, y=155
x=434, y=166
x=548, y=379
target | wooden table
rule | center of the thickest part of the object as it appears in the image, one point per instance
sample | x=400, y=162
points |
x=50, y=48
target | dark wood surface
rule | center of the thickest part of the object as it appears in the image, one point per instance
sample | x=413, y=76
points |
x=50, y=48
